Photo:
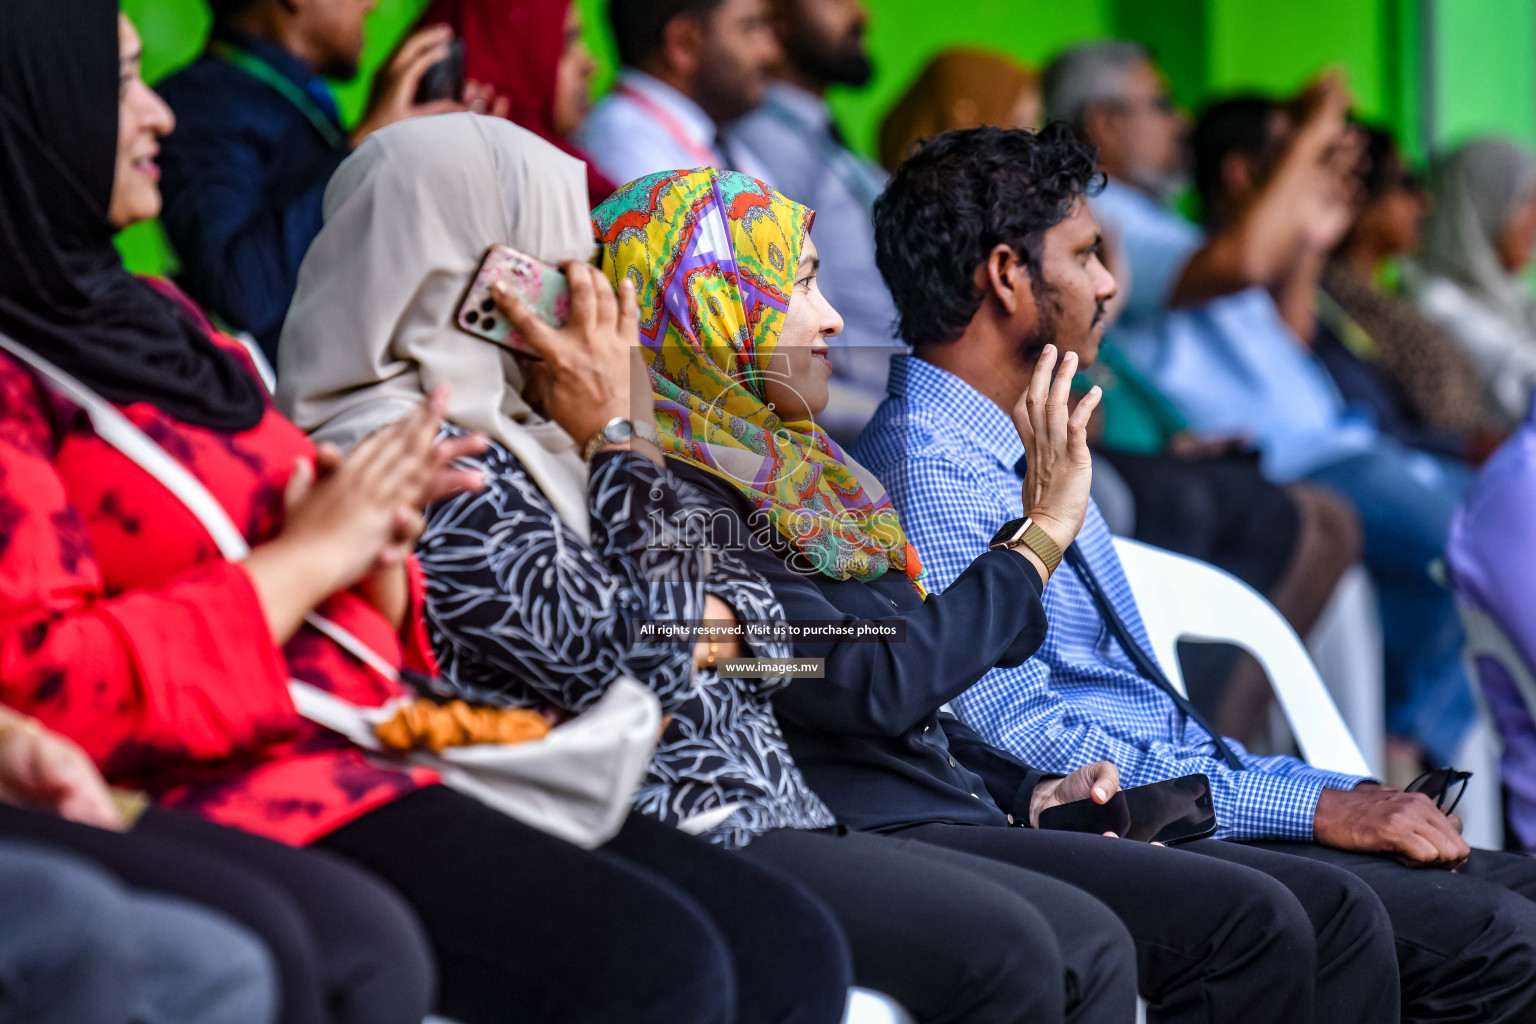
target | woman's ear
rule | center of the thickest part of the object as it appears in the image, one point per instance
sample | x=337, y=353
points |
x=1006, y=278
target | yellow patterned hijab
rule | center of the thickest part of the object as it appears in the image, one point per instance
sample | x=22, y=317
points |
x=713, y=256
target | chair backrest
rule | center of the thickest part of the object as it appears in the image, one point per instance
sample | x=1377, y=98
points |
x=1487, y=639
x=1185, y=599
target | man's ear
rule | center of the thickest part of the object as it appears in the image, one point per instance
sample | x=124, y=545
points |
x=1005, y=278
x=1239, y=177
x=1098, y=124
x=682, y=44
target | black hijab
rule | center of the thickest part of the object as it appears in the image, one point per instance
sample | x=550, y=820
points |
x=63, y=289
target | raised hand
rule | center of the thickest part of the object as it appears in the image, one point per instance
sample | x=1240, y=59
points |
x=394, y=90
x=590, y=371
x=1060, y=467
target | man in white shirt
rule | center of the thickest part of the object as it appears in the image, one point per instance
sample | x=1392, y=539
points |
x=690, y=66
x=793, y=136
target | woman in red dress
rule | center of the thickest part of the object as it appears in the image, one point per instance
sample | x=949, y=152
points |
x=531, y=53
x=122, y=626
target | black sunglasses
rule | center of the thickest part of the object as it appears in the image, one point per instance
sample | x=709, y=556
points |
x=1444, y=786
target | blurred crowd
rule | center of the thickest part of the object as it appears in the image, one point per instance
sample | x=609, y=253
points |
x=338, y=679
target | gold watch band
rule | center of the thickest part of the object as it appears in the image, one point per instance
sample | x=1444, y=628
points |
x=1040, y=542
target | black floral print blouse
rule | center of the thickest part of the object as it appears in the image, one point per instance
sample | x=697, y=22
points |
x=522, y=612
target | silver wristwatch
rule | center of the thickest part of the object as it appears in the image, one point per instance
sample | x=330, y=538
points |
x=619, y=431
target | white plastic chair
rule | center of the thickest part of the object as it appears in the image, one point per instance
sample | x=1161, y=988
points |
x=1482, y=806
x=1185, y=599
x=1346, y=647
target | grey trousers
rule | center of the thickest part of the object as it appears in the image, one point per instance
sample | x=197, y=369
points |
x=76, y=947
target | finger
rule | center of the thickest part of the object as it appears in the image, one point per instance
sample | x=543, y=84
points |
x=501, y=106
x=536, y=334
x=1021, y=421
x=607, y=299
x=1040, y=385
x=583, y=299
x=1057, y=400
x=1078, y=423
x=449, y=482
x=1417, y=848
x=300, y=480
x=629, y=312
x=1105, y=781
x=420, y=42
x=462, y=446
x=1455, y=822
x=1111, y=835
x=327, y=457
x=415, y=69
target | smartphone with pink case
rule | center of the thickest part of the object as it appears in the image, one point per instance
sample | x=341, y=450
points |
x=541, y=286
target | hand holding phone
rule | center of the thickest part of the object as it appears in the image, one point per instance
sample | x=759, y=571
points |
x=590, y=371
x=541, y=287
x=1169, y=812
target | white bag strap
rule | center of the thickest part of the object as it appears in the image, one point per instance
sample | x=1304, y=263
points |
x=121, y=433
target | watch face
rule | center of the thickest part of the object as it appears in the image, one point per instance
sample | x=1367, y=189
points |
x=620, y=432
x=1009, y=532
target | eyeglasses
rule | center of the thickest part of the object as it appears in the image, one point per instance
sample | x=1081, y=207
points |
x=1444, y=786
x=1159, y=104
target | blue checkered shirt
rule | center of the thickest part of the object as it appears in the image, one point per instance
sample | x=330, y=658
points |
x=948, y=454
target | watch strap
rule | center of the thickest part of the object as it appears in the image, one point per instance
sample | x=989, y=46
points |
x=1040, y=542
x=643, y=430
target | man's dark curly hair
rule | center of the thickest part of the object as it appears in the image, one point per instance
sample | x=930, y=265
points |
x=956, y=198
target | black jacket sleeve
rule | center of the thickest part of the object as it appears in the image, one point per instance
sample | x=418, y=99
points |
x=991, y=615
x=1010, y=781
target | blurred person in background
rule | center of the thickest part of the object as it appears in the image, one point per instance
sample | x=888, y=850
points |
x=83, y=946
x=1197, y=492
x=258, y=135
x=1434, y=380
x=1237, y=141
x=1492, y=557
x=532, y=53
x=799, y=148
x=1405, y=496
x=1222, y=320
x=1478, y=239
x=960, y=88
x=690, y=67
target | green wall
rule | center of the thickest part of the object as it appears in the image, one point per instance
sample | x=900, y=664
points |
x=1481, y=55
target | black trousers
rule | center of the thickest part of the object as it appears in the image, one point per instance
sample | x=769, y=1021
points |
x=1218, y=940
x=348, y=950
x=1466, y=942
x=656, y=926
x=957, y=938
x=1218, y=509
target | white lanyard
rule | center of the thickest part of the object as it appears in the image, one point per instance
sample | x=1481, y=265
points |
x=121, y=433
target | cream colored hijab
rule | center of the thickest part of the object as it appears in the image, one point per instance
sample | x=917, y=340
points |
x=408, y=218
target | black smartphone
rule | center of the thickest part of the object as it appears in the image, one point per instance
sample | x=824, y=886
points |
x=1169, y=812
x=445, y=79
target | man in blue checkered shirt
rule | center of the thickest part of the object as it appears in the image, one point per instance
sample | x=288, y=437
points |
x=979, y=299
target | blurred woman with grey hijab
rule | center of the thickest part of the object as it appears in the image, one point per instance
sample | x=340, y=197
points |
x=1479, y=237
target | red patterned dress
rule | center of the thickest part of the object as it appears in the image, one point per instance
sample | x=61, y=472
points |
x=123, y=627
